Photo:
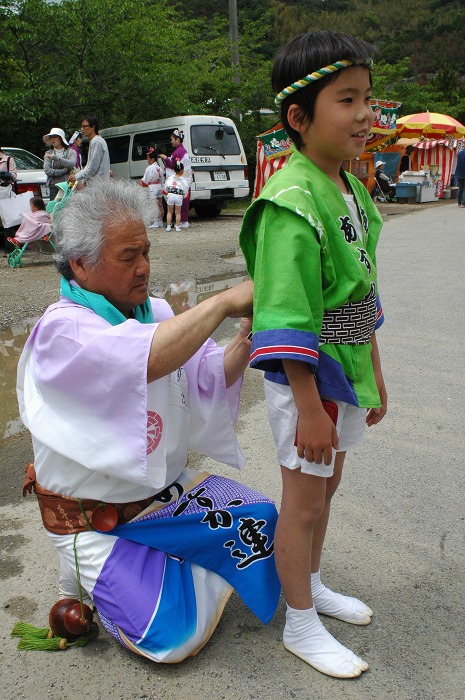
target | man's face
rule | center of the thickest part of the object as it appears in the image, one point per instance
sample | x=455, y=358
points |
x=86, y=129
x=122, y=274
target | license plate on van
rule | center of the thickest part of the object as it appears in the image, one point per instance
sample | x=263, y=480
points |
x=219, y=175
x=44, y=191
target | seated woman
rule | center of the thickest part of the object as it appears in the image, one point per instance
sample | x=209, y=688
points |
x=34, y=226
x=384, y=183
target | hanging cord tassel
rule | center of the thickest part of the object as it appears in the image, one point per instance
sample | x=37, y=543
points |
x=78, y=575
x=43, y=639
x=22, y=629
x=54, y=643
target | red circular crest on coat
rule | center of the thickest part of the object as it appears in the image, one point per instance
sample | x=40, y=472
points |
x=154, y=431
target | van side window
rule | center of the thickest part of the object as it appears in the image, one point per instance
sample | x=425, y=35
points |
x=211, y=139
x=118, y=147
x=160, y=140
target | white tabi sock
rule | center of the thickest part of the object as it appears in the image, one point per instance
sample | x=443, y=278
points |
x=343, y=607
x=306, y=637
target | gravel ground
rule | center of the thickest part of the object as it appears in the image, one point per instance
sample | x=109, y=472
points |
x=397, y=531
x=197, y=252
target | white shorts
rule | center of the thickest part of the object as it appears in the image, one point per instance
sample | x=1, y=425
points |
x=155, y=191
x=175, y=199
x=282, y=414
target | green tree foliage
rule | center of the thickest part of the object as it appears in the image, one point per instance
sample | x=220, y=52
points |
x=135, y=60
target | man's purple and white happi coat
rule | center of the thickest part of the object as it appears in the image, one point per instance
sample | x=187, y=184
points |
x=100, y=431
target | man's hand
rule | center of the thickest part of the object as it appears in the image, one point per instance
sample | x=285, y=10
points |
x=72, y=178
x=245, y=327
x=239, y=300
x=237, y=352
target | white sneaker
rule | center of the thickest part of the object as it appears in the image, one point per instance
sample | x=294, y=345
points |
x=159, y=224
x=184, y=224
x=168, y=228
x=178, y=228
x=153, y=226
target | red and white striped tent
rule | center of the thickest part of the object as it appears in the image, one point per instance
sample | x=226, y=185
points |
x=273, y=150
x=441, y=152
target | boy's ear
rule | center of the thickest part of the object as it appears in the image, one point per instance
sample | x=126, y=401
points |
x=296, y=118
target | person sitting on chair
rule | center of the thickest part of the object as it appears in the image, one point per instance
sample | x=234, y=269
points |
x=387, y=187
x=34, y=226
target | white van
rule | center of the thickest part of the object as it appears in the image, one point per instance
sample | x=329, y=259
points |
x=218, y=160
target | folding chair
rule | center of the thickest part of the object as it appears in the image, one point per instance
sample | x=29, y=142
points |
x=43, y=245
x=377, y=194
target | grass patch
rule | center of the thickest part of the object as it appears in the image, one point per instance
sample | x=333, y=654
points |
x=239, y=204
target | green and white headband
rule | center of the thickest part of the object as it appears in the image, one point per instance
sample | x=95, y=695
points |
x=318, y=74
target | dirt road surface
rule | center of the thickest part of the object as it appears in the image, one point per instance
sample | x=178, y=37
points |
x=397, y=531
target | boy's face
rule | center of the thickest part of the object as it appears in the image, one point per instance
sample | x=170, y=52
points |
x=342, y=120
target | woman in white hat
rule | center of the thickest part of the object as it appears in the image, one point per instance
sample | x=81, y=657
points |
x=384, y=182
x=59, y=161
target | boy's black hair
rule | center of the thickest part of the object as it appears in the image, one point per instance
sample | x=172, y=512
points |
x=306, y=54
x=38, y=202
x=178, y=166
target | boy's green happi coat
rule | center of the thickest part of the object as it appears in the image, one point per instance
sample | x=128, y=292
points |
x=307, y=261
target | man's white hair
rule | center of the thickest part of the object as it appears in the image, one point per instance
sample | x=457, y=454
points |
x=80, y=225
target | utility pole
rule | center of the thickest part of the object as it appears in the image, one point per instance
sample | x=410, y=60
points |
x=234, y=37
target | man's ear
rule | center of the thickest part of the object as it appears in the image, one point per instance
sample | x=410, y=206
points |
x=79, y=269
x=297, y=119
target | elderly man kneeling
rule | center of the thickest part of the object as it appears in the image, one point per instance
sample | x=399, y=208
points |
x=114, y=390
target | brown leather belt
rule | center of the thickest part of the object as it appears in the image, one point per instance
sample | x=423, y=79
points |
x=64, y=515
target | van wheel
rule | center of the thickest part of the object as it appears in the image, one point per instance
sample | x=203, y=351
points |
x=208, y=210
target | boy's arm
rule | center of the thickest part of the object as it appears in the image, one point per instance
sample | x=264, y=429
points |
x=316, y=433
x=375, y=415
x=288, y=298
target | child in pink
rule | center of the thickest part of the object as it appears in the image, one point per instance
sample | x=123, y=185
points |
x=35, y=225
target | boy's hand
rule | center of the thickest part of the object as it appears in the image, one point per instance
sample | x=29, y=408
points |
x=316, y=437
x=375, y=415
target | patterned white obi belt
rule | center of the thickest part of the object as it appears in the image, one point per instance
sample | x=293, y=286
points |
x=351, y=324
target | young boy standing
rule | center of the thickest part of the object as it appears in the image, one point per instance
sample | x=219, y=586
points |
x=309, y=241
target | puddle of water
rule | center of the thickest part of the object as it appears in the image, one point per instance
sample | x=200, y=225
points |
x=184, y=295
x=12, y=341
x=180, y=295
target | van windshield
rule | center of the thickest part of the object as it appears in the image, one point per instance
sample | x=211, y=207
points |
x=211, y=139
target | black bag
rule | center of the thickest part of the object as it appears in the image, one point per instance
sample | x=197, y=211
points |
x=6, y=177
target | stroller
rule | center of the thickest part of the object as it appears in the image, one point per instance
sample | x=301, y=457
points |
x=42, y=237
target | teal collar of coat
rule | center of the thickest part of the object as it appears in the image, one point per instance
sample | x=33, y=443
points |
x=102, y=307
